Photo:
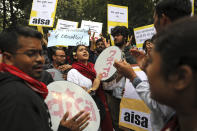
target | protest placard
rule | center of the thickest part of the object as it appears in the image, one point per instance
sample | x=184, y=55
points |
x=65, y=24
x=143, y=33
x=66, y=96
x=134, y=113
x=117, y=13
x=68, y=37
x=43, y=13
x=93, y=27
x=117, y=16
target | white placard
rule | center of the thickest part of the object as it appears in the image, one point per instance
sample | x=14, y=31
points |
x=43, y=13
x=44, y=5
x=65, y=24
x=144, y=33
x=66, y=96
x=117, y=14
x=68, y=37
x=93, y=26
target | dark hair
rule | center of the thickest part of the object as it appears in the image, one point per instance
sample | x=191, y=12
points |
x=74, y=52
x=54, y=49
x=174, y=9
x=120, y=30
x=9, y=37
x=177, y=45
x=99, y=40
x=144, y=45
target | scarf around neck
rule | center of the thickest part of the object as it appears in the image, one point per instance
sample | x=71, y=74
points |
x=34, y=84
x=86, y=70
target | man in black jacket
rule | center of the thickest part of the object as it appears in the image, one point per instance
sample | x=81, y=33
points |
x=22, y=105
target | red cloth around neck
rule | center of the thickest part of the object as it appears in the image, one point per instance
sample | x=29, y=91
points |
x=34, y=84
x=86, y=70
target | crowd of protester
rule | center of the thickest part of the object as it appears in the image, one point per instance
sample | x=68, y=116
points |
x=27, y=66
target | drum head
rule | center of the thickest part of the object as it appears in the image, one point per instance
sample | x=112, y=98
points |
x=105, y=61
x=66, y=96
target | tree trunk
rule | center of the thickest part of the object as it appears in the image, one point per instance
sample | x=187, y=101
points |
x=4, y=15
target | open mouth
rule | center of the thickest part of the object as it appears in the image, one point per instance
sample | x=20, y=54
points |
x=85, y=55
x=38, y=68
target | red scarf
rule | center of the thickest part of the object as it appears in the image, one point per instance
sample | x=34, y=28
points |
x=86, y=70
x=35, y=85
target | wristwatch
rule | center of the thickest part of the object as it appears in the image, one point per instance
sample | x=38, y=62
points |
x=92, y=91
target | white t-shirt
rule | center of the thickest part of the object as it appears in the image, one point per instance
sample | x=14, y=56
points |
x=76, y=77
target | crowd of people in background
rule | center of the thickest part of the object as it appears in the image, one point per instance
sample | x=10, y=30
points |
x=168, y=59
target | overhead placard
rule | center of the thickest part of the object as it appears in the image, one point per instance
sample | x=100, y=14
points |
x=43, y=13
x=143, y=33
x=68, y=37
x=117, y=16
x=93, y=27
x=134, y=114
x=65, y=24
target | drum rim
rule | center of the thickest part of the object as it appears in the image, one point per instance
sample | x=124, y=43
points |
x=115, y=73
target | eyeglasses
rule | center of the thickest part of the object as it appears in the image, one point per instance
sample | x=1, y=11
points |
x=32, y=53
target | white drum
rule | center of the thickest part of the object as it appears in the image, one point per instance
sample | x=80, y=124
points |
x=105, y=61
x=66, y=96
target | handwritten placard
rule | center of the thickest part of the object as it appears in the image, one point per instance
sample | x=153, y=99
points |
x=66, y=96
x=65, y=24
x=117, y=13
x=105, y=61
x=93, y=26
x=43, y=13
x=143, y=33
x=68, y=37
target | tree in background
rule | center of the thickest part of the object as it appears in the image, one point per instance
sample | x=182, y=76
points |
x=13, y=12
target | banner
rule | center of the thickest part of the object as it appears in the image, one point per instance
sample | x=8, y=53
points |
x=143, y=33
x=116, y=16
x=43, y=13
x=65, y=24
x=68, y=37
x=93, y=27
x=134, y=114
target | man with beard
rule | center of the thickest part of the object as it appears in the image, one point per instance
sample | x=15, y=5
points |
x=100, y=46
x=114, y=88
x=58, y=68
x=21, y=93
